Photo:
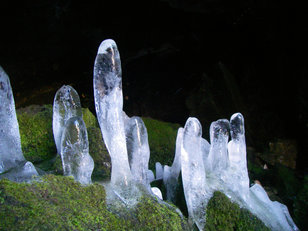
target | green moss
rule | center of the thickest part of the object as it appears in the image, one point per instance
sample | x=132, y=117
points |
x=99, y=153
x=55, y=203
x=35, y=126
x=88, y=118
x=301, y=205
x=222, y=214
x=162, y=137
x=60, y=203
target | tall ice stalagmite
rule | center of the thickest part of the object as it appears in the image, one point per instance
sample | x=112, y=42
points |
x=10, y=146
x=108, y=97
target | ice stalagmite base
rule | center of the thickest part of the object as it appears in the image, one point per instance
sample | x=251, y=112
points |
x=75, y=156
x=109, y=105
x=10, y=147
x=66, y=105
x=138, y=149
x=171, y=174
x=193, y=174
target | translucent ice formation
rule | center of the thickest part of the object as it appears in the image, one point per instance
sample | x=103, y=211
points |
x=218, y=154
x=193, y=173
x=237, y=157
x=10, y=147
x=171, y=174
x=156, y=191
x=109, y=105
x=75, y=156
x=22, y=173
x=138, y=149
x=66, y=105
x=274, y=214
x=159, y=171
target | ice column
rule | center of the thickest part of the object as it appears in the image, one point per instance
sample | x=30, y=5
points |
x=218, y=154
x=75, y=156
x=138, y=149
x=193, y=172
x=274, y=214
x=109, y=105
x=66, y=105
x=171, y=174
x=237, y=156
x=10, y=146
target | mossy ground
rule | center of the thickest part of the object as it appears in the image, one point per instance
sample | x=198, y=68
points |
x=60, y=203
x=222, y=214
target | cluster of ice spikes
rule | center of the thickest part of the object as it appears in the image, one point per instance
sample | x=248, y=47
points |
x=205, y=167
x=71, y=135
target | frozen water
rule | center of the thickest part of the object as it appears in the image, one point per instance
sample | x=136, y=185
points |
x=108, y=97
x=239, y=180
x=156, y=191
x=75, y=156
x=205, y=147
x=159, y=171
x=24, y=172
x=138, y=149
x=150, y=174
x=218, y=154
x=10, y=147
x=171, y=174
x=193, y=172
x=274, y=214
x=66, y=104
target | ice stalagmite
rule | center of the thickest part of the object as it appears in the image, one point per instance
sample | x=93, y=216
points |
x=66, y=105
x=193, y=173
x=171, y=174
x=237, y=157
x=109, y=105
x=138, y=149
x=218, y=154
x=159, y=171
x=10, y=147
x=274, y=214
x=22, y=173
x=75, y=156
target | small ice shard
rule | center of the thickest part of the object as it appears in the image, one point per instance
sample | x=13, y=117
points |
x=66, y=104
x=193, y=172
x=22, y=173
x=159, y=171
x=218, y=154
x=151, y=177
x=171, y=174
x=75, y=156
x=107, y=83
x=274, y=214
x=10, y=146
x=205, y=147
x=237, y=157
x=138, y=149
x=156, y=191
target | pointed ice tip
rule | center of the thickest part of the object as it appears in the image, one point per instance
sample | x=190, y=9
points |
x=237, y=125
x=193, y=127
x=105, y=45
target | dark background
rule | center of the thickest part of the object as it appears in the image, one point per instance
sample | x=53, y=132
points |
x=180, y=58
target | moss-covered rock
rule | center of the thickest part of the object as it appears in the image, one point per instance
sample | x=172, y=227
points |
x=162, y=137
x=99, y=153
x=301, y=205
x=35, y=126
x=59, y=203
x=222, y=214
